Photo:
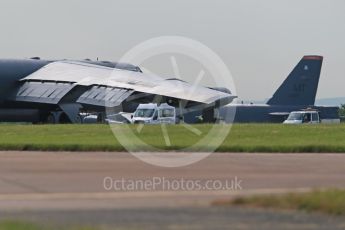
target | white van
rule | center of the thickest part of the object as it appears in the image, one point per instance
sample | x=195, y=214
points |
x=154, y=114
x=308, y=117
x=303, y=117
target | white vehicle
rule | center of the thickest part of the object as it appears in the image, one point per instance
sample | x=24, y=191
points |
x=308, y=117
x=154, y=114
x=119, y=118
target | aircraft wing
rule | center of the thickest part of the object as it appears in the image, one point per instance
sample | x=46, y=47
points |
x=98, y=85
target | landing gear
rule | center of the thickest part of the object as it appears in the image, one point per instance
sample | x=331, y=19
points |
x=101, y=118
x=51, y=119
x=59, y=117
x=78, y=119
x=64, y=119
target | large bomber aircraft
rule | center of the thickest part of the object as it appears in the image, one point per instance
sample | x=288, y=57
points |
x=297, y=92
x=42, y=91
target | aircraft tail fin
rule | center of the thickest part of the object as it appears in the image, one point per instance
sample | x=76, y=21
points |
x=301, y=85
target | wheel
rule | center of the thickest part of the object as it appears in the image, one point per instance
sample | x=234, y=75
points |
x=51, y=119
x=78, y=119
x=64, y=119
x=101, y=118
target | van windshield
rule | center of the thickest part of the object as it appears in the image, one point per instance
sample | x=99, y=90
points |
x=144, y=113
x=295, y=117
x=166, y=113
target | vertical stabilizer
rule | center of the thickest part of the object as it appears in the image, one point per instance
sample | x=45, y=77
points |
x=301, y=85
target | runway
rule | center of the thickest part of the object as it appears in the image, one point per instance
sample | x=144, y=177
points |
x=75, y=181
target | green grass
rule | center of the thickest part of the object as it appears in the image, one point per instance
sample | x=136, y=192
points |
x=18, y=225
x=24, y=225
x=329, y=201
x=242, y=138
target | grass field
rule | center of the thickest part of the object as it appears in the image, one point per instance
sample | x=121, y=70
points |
x=242, y=138
x=329, y=201
x=23, y=225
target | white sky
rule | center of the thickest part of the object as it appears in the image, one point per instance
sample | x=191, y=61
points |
x=260, y=41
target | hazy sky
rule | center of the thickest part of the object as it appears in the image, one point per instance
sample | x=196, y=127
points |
x=260, y=41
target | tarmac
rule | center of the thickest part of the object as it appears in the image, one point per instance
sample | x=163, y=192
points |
x=62, y=183
x=60, y=180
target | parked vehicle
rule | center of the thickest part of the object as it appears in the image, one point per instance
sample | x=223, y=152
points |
x=308, y=117
x=154, y=114
x=119, y=118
